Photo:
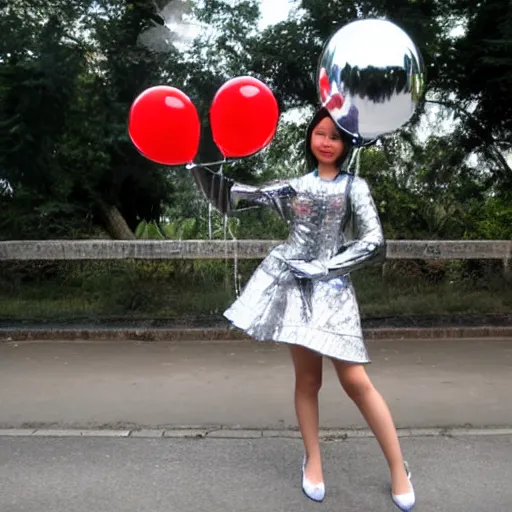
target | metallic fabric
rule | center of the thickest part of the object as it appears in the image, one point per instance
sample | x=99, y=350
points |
x=302, y=292
x=215, y=187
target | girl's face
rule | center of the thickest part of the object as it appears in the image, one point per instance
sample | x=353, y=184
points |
x=326, y=143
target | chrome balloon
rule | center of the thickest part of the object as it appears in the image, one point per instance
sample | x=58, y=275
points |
x=370, y=78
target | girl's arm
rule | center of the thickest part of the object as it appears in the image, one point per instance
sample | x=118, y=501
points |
x=228, y=196
x=368, y=247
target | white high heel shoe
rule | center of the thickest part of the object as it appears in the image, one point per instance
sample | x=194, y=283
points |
x=405, y=502
x=315, y=492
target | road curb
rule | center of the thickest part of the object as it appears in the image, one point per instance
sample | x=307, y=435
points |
x=248, y=433
x=229, y=334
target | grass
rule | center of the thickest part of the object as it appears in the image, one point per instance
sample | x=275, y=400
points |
x=128, y=291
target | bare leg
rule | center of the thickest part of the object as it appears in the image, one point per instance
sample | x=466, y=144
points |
x=308, y=381
x=357, y=384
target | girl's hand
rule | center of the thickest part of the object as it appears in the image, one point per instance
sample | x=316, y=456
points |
x=307, y=269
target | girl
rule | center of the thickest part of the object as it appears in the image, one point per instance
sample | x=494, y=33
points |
x=302, y=295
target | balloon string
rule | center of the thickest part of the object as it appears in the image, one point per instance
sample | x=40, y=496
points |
x=225, y=226
x=227, y=229
x=358, y=161
x=225, y=249
x=210, y=220
x=210, y=209
x=235, y=261
x=219, y=162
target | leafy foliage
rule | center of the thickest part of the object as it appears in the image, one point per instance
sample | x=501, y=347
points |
x=70, y=69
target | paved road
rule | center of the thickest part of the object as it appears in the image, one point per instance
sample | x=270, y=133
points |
x=467, y=474
x=88, y=384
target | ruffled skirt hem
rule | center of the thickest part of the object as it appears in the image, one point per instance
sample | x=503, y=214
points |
x=350, y=349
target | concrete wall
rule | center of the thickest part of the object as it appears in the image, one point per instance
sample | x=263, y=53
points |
x=243, y=249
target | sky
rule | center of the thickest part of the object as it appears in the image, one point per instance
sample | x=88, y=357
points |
x=273, y=11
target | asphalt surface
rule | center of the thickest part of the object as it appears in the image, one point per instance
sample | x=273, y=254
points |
x=239, y=386
x=469, y=474
x=119, y=384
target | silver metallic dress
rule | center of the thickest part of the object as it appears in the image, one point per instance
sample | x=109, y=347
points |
x=302, y=292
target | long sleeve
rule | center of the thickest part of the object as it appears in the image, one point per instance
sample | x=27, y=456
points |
x=369, y=246
x=215, y=188
x=229, y=196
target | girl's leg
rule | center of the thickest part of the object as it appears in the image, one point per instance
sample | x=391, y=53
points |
x=308, y=381
x=357, y=384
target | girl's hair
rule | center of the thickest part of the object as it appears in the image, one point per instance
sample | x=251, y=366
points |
x=312, y=162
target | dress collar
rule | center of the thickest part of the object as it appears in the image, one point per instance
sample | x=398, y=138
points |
x=316, y=175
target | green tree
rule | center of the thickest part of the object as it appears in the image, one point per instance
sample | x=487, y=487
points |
x=70, y=71
x=476, y=80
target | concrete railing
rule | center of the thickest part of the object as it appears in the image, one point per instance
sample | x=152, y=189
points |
x=243, y=249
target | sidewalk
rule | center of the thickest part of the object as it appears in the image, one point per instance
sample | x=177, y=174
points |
x=244, y=384
x=469, y=474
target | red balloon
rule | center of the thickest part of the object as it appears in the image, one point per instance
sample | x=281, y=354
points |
x=164, y=126
x=244, y=116
x=323, y=83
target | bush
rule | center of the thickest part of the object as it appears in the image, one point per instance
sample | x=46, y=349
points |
x=190, y=290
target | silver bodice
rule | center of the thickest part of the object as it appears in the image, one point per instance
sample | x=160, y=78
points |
x=326, y=218
x=315, y=211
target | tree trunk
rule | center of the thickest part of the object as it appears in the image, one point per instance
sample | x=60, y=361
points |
x=115, y=224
